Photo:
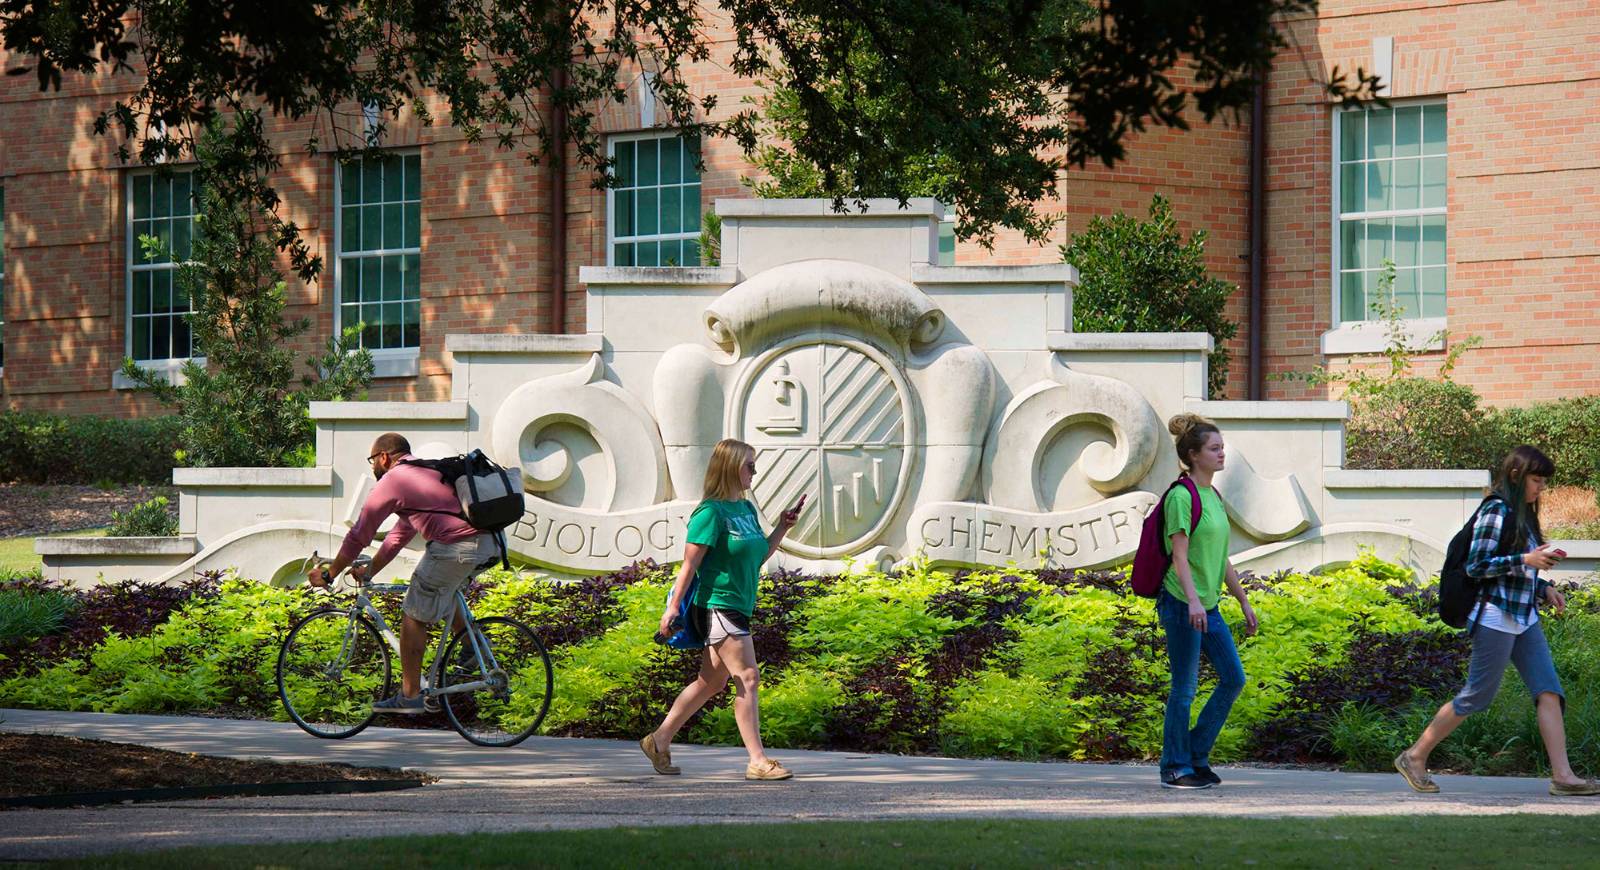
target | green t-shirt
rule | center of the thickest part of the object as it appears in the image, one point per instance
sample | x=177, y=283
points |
x=732, y=566
x=1208, y=542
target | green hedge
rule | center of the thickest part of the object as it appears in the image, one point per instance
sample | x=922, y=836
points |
x=1014, y=664
x=48, y=448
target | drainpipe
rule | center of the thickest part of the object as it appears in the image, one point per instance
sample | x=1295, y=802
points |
x=1258, y=241
x=558, y=205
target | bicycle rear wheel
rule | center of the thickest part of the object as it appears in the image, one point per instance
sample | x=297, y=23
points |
x=332, y=666
x=511, y=708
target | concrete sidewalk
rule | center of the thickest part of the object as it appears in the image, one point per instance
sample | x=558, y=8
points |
x=552, y=782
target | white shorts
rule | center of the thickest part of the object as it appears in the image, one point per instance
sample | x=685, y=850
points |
x=721, y=628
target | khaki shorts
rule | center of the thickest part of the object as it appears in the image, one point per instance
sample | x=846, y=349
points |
x=445, y=569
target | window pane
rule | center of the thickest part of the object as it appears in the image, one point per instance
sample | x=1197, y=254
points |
x=672, y=210
x=411, y=333
x=350, y=281
x=1350, y=238
x=1433, y=250
x=1432, y=286
x=371, y=227
x=141, y=338
x=691, y=252
x=649, y=224
x=1408, y=131
x=391, y=279
x=622, y=255
x=160, y=292
x=1378, y=181
x=350, y=315
x=411, y=271
x=1380, y=134
x=691, y=208
x=371, y=279
x=392, y=221
x=371, y=182
x=350, y=182
x=622, y=217
x=1405, y=293
x=413, y=219
x=1433, y=181
x=350, y=228
x=160, y=197
x=391, y=325
x=413, y=173
x=1407, y=183
x=1373, y=282
x=647, y=254
x=1433, y=129
x=691, y=160
x=671, y=161
x=1352, y=194
x=670, y=254
x=182, y=244
x=141, y=292
x=182, y=340
x=392, y=180
x=163, y=234
x=141, y=196
x=1378, y=245
x=1352, y=299
x=1407, y=235
x=647, y=157
x=160, y=338
x=1352, y=139
x=625, y=170
x=371, y=328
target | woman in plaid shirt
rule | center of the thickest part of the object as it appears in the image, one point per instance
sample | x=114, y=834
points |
x=1505, y=626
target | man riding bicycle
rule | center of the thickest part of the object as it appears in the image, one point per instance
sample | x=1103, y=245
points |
x=456, y=552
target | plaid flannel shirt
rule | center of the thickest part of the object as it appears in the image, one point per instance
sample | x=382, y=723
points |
x=1515, y=587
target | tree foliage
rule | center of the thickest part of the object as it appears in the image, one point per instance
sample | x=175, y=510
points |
x=1006, y=92
x=1141, y=276
x=237, y=405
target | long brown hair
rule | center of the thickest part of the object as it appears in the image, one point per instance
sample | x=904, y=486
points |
x=1189, y=433
x=1510, y=483
x=722, y=474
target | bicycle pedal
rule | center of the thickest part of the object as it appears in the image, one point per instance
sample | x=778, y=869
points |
x=431, y=704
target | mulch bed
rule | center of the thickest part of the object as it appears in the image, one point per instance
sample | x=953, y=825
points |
x=30, y=509
x=39, y=764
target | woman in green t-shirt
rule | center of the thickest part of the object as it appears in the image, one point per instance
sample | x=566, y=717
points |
x=726, y=546
x=1187, y=607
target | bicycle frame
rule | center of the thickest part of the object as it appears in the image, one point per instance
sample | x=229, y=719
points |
x=430, y=680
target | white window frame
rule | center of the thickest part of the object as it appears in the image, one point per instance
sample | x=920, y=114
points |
x=168, y=366
x=611, y=237
x=391, y=362
x=1368, y=336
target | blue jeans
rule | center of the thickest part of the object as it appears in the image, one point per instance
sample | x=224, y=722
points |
x=1184, y=748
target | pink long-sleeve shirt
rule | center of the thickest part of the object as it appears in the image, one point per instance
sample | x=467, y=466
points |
x=407, y=490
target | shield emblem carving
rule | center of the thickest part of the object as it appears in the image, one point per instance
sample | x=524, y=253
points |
x=830, y=418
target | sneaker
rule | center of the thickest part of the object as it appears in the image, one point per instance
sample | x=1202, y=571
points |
x=766, y=770
x=1418, y=778
x=1207, y=774
x=660, y=759
x=401, y=704
x=1578, y=789
x=1188, y=780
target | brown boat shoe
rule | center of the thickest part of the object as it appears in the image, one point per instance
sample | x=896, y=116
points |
x=766, y=770
x=1417, y=778
x=660, y=759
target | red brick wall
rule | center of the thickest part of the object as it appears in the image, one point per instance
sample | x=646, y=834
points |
x=1523, y=241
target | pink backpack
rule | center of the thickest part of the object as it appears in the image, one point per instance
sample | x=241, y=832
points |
x=1151, y=560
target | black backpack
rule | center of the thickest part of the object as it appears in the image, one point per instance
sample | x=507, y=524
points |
x=1460, y=593
x=491, y=496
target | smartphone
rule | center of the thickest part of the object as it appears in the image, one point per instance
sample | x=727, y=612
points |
x=1559, y=554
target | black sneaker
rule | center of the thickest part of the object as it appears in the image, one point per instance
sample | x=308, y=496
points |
x=1208, y=775
x=1188, y=780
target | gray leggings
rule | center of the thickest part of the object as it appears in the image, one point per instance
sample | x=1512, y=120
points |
x=1491, y=651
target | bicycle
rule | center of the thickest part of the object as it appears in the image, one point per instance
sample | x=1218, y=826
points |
x=493, y=679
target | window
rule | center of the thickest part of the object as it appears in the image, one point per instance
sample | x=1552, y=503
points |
x=379, y=202
x=655, y=208
x=1391, y=206
x=159, y=205
x=947, y=240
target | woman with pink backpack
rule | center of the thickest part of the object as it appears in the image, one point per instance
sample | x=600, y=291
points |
x=1194, y=530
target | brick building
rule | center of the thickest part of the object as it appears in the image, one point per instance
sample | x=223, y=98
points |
x=1481, y=181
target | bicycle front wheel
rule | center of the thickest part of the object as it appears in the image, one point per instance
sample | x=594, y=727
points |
x=331, y=668
x=521, y=683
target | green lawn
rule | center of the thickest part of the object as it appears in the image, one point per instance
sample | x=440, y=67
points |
x=1405, y=841
x=16, y=554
